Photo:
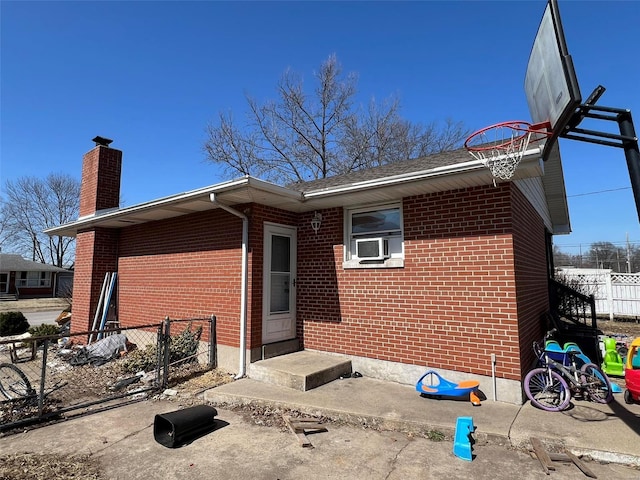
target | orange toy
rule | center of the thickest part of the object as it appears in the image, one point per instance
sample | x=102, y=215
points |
x=432, y=384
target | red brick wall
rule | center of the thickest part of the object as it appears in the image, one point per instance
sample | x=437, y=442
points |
x=531, y=274
x=96, y=251
x=451, y=306
x=185, y=267
x=100, y=188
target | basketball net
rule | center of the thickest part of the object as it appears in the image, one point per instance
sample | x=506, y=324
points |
x=501, y=147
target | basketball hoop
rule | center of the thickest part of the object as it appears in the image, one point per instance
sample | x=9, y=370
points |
x=500, y=147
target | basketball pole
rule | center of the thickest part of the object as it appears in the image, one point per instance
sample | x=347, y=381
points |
x=632, y=154
x=627, y=140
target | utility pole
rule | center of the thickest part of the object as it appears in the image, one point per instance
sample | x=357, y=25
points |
x=628, y=254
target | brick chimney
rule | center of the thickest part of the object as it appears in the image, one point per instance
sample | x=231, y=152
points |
x=96, y=247
x=100, y=186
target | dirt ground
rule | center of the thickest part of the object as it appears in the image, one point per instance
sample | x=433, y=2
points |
x=630, y=328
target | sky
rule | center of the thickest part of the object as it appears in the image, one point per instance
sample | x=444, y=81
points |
x=152, y=75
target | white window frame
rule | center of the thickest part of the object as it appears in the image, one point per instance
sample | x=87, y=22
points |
x=34, y=279
x=395, y=237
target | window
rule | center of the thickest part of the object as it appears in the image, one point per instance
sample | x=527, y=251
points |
x=33, y=279
x=374, y=237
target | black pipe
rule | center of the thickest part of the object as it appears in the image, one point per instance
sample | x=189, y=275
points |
x=180, y=427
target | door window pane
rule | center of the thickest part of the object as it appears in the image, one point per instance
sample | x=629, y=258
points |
x=280, y=273
x=279, y=293
x=280, y=254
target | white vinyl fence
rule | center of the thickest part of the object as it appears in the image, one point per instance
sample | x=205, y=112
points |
x=616, y=294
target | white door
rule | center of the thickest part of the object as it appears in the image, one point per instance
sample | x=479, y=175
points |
x=279, y=293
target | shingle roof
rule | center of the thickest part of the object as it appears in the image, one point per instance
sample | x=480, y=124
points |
x=10, y=262
x=407, y=166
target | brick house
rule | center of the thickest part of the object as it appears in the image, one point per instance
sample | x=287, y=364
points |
x=21, y=278
x=420, y=264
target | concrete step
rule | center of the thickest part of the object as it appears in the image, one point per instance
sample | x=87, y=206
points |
x=300, y=370
x=8, y=297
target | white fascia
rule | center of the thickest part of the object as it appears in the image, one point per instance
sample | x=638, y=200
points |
x=457, y=168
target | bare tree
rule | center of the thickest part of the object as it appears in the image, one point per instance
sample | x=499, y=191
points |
x=603, y=255
x=32, y=205
x=309, y=136
x=4, y=230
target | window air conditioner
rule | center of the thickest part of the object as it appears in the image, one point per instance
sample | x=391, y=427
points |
x=372, y=248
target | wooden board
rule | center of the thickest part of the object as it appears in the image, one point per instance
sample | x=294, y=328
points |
x=542, y=455
x=298, y=427
x=546, y=459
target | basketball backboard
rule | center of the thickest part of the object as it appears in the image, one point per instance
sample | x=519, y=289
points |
x=550, y=84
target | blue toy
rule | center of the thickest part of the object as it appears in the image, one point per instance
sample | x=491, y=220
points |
x=559, y=354
x=463, y=439
x=431, y=383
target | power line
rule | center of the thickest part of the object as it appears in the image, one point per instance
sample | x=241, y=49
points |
x=599, y=191
x=575, y=245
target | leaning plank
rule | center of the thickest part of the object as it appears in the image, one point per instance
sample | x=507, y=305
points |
x=542, y=455
x=578, y=463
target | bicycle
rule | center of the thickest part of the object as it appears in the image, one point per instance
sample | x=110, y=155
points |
x=557, y=379
x=14, y=384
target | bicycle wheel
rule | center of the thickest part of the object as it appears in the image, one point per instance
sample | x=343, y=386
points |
x=547, y=390
x=596, y=383
x=14, y=383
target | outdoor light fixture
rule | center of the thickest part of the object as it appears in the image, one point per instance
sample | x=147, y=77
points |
x=316, y=221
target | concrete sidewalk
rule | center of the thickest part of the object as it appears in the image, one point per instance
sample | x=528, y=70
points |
x=605, y=432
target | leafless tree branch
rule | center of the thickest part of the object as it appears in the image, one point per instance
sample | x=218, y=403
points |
x=304, y=137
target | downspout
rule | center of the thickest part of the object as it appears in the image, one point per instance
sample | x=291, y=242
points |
x=244, y=284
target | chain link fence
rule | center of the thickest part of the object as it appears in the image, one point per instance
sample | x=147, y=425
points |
x=61, y=376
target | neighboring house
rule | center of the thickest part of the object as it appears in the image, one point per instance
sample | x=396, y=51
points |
x=20, y=278
x=415, y=265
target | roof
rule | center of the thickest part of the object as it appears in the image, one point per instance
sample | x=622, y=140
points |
x=10, y=262
x=392, y=169
x=440, y=172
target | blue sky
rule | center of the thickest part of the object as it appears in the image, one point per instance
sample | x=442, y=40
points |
x=152, y=75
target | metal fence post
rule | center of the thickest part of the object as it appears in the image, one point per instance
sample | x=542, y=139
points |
x=166, y=346
x=213, y=358
x=43, y=376
x=159, y=353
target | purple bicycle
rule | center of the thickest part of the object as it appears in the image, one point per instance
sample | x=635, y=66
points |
x=557, y=378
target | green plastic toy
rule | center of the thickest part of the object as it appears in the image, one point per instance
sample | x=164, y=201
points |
x=612, y=363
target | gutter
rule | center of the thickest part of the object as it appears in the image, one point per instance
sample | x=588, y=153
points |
x=456, y=168
x=242, y=369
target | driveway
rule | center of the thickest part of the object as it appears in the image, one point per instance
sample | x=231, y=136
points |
x=37, y=310
x=40, y=318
